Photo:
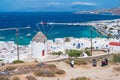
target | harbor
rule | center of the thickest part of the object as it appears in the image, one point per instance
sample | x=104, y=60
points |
x=104, y=27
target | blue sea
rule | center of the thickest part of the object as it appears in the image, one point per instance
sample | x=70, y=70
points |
x=32, y=19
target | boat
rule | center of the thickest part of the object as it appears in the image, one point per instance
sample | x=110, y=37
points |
x=43, y=23
x=28, y=34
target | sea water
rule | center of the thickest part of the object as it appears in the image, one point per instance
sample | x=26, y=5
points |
x=32, y=19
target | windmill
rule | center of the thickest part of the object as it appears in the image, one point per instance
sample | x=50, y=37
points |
x=39, y=46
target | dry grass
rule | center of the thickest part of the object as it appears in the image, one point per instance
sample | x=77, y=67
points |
x=3, y=78
x=30, y=77
x=59, y=72
x=49, y=70
x=40, y=69
x=52, y=66
x=44, y=73
x=116, y=69
x=80, y=78
x=77, y=61
x=10, y=68
x=15, y=78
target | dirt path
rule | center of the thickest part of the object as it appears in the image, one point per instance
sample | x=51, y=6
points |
x=94, y=73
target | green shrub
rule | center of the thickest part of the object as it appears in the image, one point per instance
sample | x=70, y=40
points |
x=60, y=72
x=10, y=68
x=80, y=78
x=87, y=52
x=15, y=78
x=3, y=78
x=44, y=73
x=57, y=53
x=17, y=61
x=75, y=53
x=116, y=58
x=1, y=60
x=89, y=48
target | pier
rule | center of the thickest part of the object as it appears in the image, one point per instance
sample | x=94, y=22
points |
x=69, y=24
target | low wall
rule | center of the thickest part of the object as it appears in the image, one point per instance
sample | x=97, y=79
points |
x=90, y=58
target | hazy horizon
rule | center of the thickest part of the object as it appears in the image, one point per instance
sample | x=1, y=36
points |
x=55, y=5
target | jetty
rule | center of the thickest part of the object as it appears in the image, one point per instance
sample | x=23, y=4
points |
x=69, y=24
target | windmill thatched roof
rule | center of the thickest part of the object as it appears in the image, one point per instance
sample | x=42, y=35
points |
x=39, y=37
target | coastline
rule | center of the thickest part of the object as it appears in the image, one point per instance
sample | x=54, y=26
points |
x=8, y=50
x=100, y=25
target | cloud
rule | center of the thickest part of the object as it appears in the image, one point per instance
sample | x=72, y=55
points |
x=84, y=3
x=55, y=3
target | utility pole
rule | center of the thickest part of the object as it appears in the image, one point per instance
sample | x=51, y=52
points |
x=91, y=41
x=117, y=23
x=17, y=30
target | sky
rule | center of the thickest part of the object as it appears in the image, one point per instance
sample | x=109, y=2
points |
x=56, y=5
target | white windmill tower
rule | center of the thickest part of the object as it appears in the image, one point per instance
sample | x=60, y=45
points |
x=39, y=48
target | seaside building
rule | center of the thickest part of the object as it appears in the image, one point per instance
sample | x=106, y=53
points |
x=114, y=47
x=8, y=51
x=39, y=47
x=59, y=40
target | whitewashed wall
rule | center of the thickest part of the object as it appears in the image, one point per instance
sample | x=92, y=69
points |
x=37, y=49
x=114, y=49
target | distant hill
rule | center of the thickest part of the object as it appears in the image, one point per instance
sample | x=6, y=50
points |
x=114, y=11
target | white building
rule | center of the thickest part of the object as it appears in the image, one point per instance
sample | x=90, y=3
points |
x=114, y=47
x=59, y=40
x=39, y=47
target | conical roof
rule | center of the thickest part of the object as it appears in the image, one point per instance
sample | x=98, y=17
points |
x=39, y=37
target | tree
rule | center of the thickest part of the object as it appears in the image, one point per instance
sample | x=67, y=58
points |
x=75, y=53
